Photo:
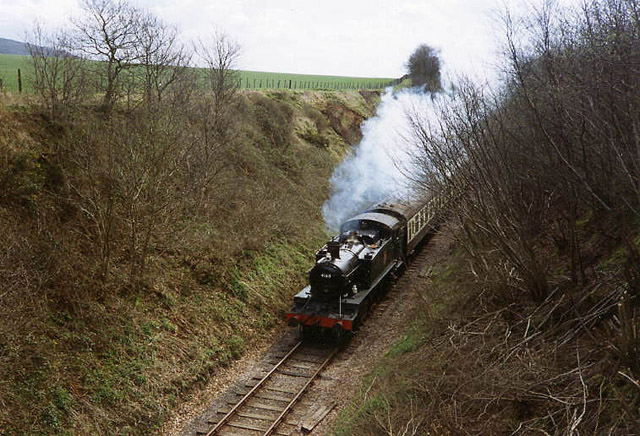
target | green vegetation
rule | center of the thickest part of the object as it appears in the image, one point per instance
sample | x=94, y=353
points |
x=9, y=65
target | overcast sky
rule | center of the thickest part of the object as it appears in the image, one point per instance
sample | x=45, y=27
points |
x=370, y=38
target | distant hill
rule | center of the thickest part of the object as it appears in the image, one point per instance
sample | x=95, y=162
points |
x=9, y=46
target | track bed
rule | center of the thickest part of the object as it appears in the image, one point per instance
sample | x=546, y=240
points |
x=334, y=385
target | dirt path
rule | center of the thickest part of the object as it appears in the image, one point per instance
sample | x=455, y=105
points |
x=343, y=377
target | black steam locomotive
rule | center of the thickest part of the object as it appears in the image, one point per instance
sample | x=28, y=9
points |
x=349, y=268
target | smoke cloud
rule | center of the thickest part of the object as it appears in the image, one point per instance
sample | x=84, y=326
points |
x=377, y=168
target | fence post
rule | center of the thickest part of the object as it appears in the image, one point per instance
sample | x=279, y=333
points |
x=1, y=88
x=19, y=81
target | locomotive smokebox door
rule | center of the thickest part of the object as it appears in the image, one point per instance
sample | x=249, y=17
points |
x=334, y=249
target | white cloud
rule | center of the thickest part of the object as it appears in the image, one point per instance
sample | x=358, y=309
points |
x=337, y=37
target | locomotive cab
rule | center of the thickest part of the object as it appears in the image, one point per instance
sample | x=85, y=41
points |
x=348, y=271
x=368, y=232
x=355, y=258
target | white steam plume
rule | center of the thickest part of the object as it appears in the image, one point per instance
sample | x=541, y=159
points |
x=375, y=169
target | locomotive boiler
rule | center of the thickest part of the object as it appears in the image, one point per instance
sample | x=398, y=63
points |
x=350, y=268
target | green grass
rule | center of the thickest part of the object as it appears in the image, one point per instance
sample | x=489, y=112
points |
x=9, y=65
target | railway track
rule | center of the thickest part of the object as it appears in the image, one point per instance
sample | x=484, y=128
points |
x=263, y=405
x=264, y=408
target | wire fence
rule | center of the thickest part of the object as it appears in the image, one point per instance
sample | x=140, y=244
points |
x=259, y=83
x=14, y=83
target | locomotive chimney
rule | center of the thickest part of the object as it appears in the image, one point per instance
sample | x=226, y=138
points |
x=334, y=249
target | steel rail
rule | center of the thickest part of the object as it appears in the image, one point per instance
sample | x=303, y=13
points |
x=299, y=394
x=249, y=394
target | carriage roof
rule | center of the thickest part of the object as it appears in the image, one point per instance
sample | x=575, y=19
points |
x=386, y=220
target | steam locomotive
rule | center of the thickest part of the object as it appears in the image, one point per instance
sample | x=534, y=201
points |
x=349, y=269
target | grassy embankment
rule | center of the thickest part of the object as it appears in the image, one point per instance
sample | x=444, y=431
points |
x=9, y=65
x=89, y=346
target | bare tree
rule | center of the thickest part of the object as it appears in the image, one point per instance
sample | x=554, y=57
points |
x=108, y=31
x=58, y=75
x=164, y=60
x=220, y=54
x=557, y=143
x=475, y=153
